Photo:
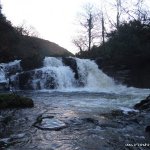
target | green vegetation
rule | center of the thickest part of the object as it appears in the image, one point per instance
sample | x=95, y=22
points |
x=128, y=45
x=14, y=101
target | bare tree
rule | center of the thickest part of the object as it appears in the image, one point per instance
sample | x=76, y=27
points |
x=103, y=29
x=118, y=5
x=80, y=43
x=27, y=30
x=88, y=21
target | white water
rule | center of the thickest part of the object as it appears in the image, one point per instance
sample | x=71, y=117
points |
x=91, y=76
x=93, y=89
x=56, y=76
x=9, y=68
x=55, y=73
x=2, y=76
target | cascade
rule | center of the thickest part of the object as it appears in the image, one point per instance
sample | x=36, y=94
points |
x=9, y=71
x=91, y=76
x=58, y=74
x=53, y=75
x=2, y=76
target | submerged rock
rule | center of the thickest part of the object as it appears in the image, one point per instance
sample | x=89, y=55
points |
x=14, y=101
x=144, y=104
x=49, y=123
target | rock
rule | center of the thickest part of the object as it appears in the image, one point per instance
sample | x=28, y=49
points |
x=24, y=80
x=6, y=142
x=14, y=101
x=3, y=86
x=32, y=62
x=99, y=62
x=91, y=120
x=143, y=105
x=49, y=123
x=147, y=129
x=72, y=64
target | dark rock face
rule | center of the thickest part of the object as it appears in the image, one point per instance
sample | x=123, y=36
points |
x=99, y=62
x=147, y=129
x=136, y=75
x=144, y=104
x=14, y=101
x=72, y=64
x=24, y=80
x=3, y=86
x=31, y=63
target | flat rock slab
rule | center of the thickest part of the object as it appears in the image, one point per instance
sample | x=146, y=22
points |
x=49, y=123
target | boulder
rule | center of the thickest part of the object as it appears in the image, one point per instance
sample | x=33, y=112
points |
x=143, y=105
x=14, y=101
x=72, y=64
x=24, y=80
x=147, y=129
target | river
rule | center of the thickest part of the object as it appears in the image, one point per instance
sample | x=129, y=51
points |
x=93, y=121
x=77, y=107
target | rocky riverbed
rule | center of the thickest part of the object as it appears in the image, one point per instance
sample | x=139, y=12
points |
x=76, y=121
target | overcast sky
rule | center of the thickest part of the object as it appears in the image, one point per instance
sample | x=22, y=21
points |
x=55, y=20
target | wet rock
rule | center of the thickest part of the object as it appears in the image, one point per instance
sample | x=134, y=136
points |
x=147, y=129
x=6, y=142
x=14, y=101
x=3, y=86
x=72, y=64
x=91, y=120
x=143, y=105
x=24, y=80
x=117, y=112
x=32, y=62
x=113, y=114
x=99, y=62
x=49, y=123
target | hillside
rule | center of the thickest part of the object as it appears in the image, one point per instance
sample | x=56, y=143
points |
x=15, y=45
x=49, y=48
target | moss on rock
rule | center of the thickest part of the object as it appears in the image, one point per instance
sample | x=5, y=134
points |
x=14, y=101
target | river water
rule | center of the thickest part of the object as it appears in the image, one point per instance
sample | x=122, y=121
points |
x=77, y=107
x=93, y=121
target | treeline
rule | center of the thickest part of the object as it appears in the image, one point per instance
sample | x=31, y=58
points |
x=17, y=43
x=129, y=44
x=126, y=43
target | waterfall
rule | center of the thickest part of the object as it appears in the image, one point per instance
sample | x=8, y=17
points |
x=56, y=75
x=59, y=73
x=91, y=76
x=2, y=76
x=53, y=75
x=9, y=72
